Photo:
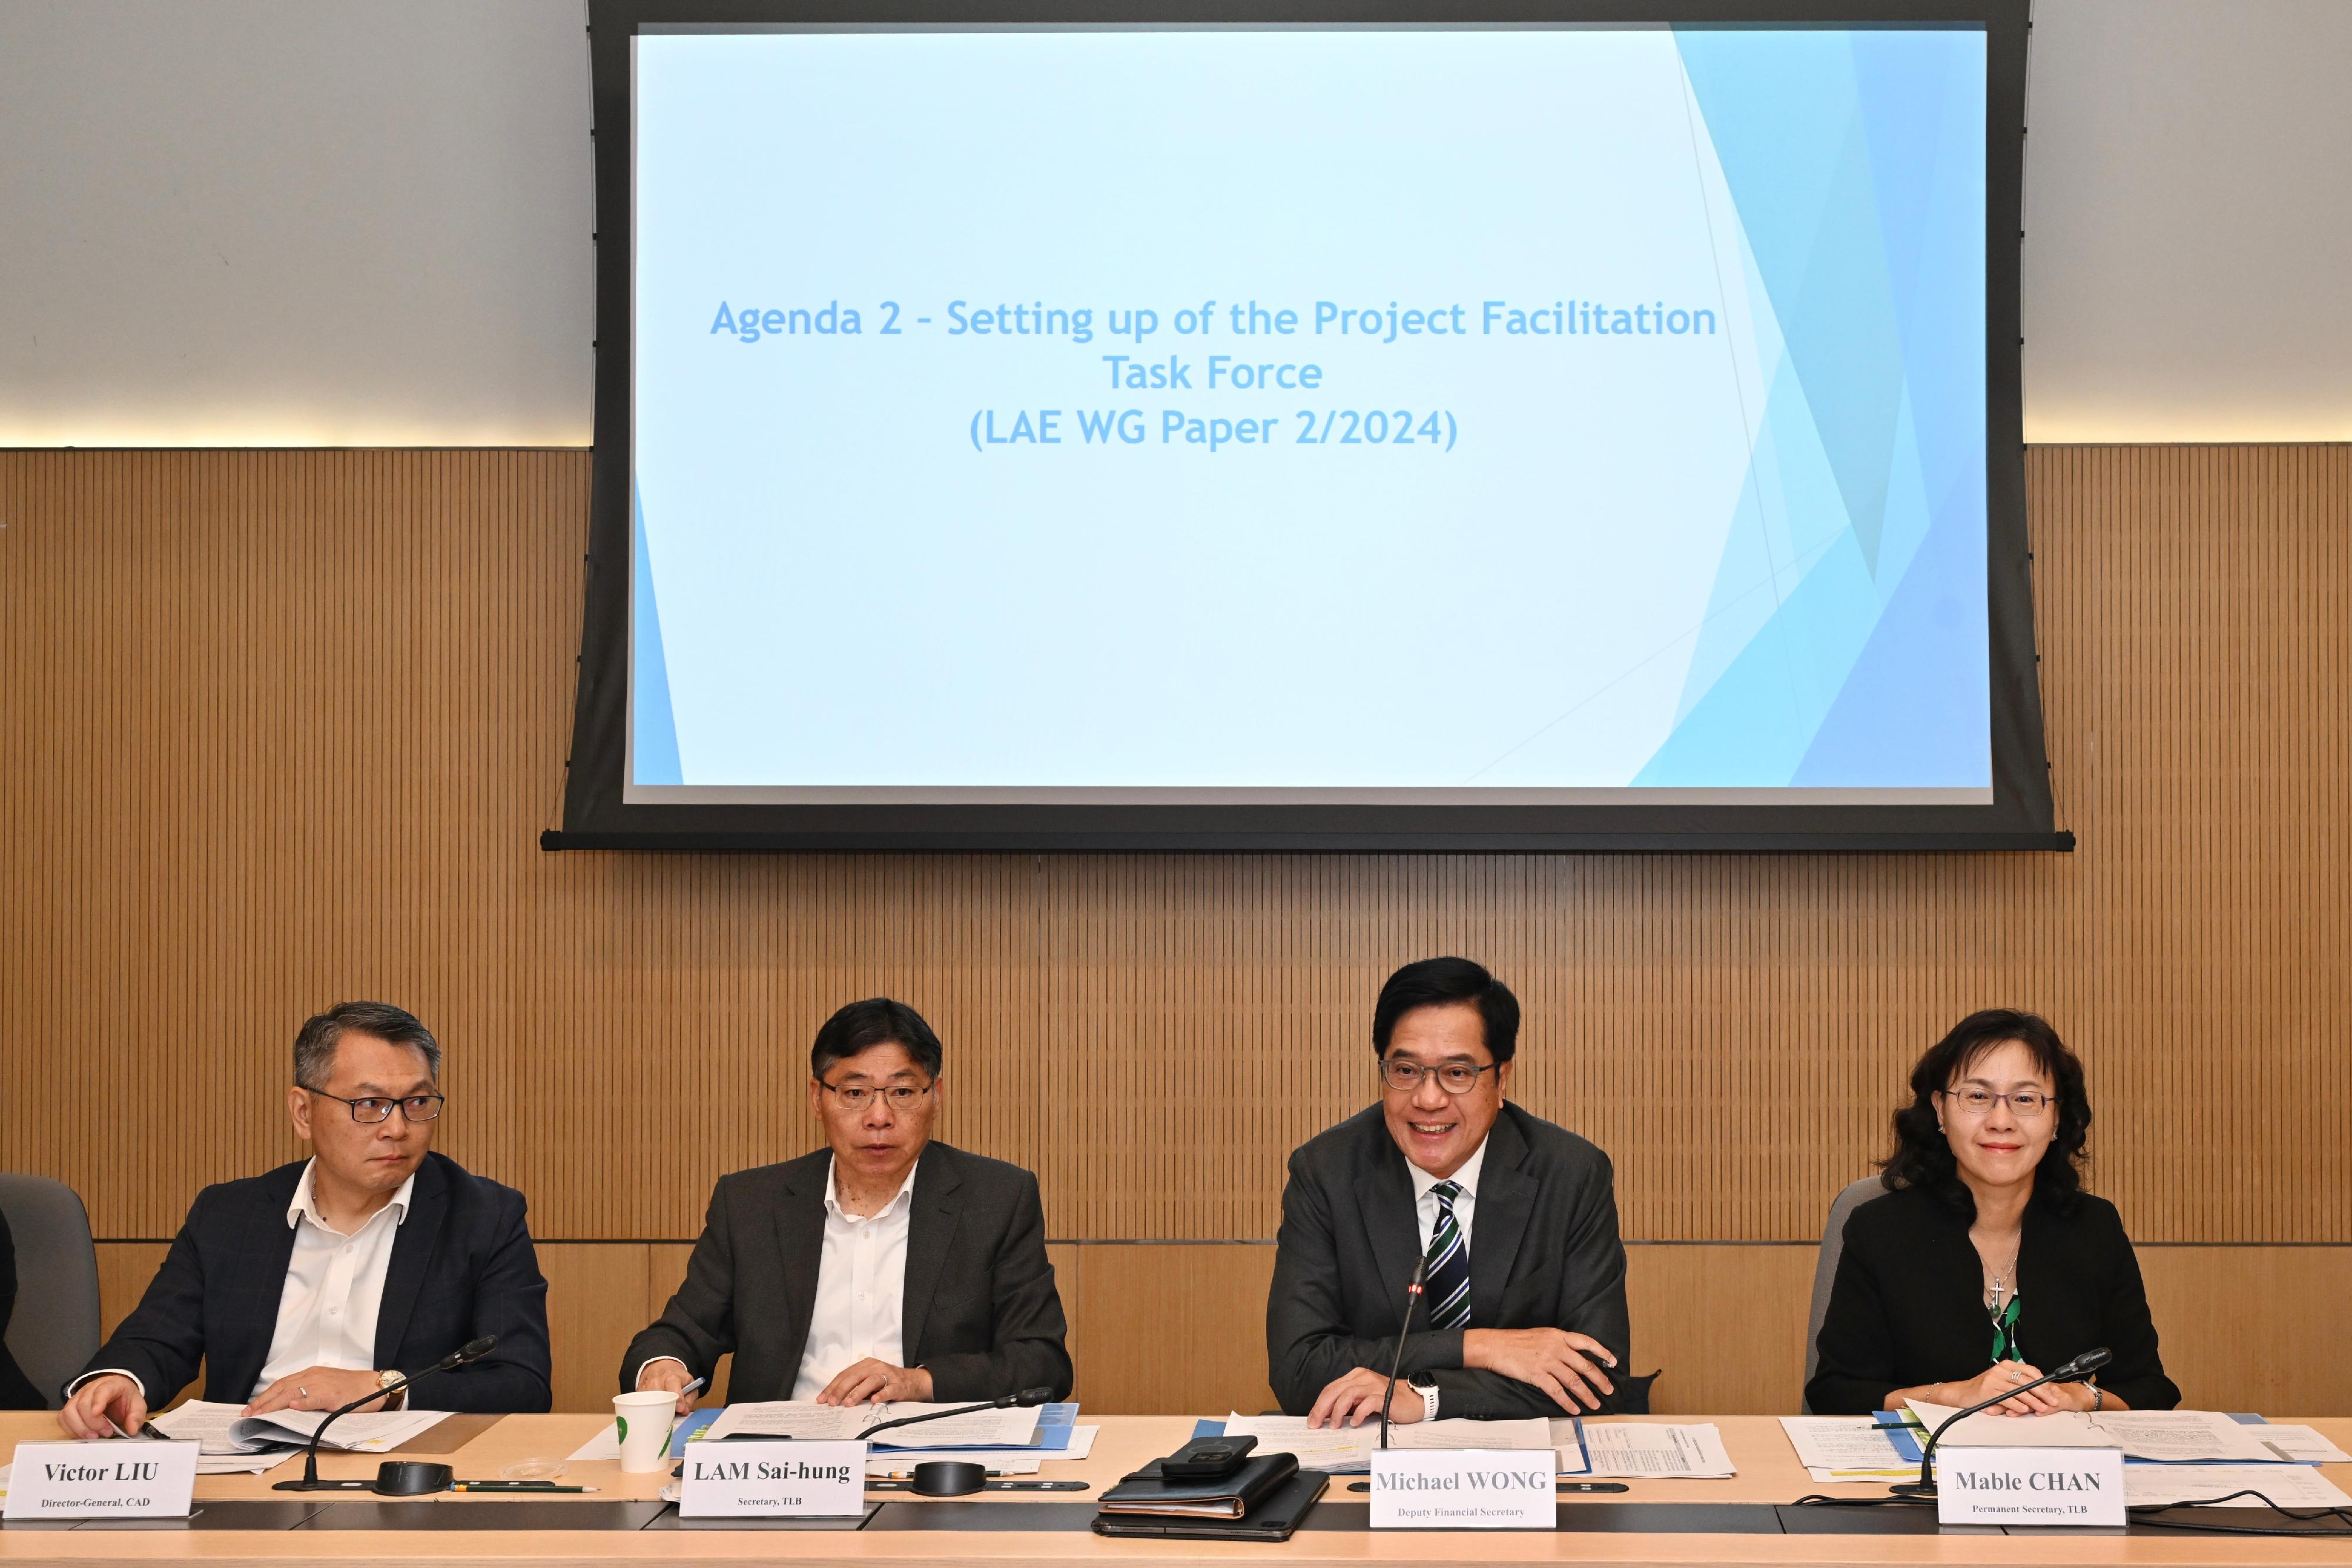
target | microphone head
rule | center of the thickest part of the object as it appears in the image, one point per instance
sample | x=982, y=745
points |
x=2090, y=1360
x=474, y=1349
x=1029, y=1397
x=1420, y=1275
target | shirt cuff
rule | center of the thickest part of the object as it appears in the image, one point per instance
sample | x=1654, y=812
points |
x=639, y=1380
x=108, y=1372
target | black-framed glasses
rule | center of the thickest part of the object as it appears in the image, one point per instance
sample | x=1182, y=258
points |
x=1453, y=1077
x=378, y=1108
x=857, y=1096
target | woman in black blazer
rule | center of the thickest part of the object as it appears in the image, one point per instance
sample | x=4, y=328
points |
x=1986, y=1264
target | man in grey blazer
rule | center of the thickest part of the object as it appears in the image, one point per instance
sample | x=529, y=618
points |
x=884, y=1267
x=1524, y=1305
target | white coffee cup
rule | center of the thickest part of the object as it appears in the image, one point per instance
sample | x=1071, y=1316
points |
x=646, y=1418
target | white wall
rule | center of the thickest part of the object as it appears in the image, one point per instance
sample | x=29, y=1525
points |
x=2188, y=221
x=295, y=223
x=365, y=221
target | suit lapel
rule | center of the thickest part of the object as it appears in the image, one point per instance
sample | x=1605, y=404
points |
x=413, y=1247
x=931, y=1233
x=1506, y=1196
x=800, y=1237
x=1389, y=1225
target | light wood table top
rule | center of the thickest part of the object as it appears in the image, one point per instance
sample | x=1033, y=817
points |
x=1768, y=1474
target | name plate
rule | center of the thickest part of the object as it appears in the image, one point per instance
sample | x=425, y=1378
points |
x=1464, y=1488
x=783, y=1480
x=2030, y=1485
x=119, y=1479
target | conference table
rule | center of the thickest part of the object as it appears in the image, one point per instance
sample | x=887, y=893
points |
x=1745, y=1519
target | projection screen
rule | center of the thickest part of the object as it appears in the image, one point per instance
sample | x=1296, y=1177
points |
x=1579, y=428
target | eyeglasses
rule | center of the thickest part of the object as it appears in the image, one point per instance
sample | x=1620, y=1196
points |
x=2027, y=1102
x=377, y=1108
x=857, y=1096
x=1453, y=1077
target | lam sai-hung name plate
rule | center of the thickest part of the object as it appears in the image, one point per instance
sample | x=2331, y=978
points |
x=1464, y=1488
x=778, y=1480
x=2030, y=1485
x=119, y=1479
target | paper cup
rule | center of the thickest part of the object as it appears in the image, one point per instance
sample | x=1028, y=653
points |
x=645, y=1419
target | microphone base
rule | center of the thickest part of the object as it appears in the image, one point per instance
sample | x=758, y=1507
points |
x=1924, y=1491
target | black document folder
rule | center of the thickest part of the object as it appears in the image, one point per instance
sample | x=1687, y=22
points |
x=1270, y=1503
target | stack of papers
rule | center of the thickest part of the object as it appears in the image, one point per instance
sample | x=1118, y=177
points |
x=234, y=1443
x=2170, y=1454
x=2289, y=1486
x=2296, y=1445
x=1343, y=1450
x=1054, y=1434
x=1851, y=1449
x=807, y=1421
x=1642, y=1450
x=2174, y=1436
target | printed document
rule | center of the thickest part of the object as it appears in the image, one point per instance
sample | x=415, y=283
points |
x=810, y=1422
x=1656, y=1452
x=2289, y=1486
x=2174, y=1436
x=221, y=1430
x=1351, y=1448
x=1846, y=1447
x=2298, y=1444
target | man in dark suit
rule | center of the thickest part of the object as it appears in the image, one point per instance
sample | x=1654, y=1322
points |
x=307, y=1288
x=883, y=1267
x=1525, y=1300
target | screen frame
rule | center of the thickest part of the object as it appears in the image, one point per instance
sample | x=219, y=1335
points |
x=597, y=816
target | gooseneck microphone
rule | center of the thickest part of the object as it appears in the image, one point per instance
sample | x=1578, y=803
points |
x=1024, y=1399
x=473, y=1350
x=2074, y=1371
x=1413, y=1294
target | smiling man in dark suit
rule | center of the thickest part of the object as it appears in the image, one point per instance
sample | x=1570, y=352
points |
x=883, y=1267
x=1524, y=1304
x=307, y=1288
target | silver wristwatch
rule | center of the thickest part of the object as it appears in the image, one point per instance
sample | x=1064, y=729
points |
x=385, y=1380
x=1428, y=1392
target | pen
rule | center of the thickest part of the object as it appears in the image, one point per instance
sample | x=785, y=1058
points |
x=692, y=1387
x=514, y=1486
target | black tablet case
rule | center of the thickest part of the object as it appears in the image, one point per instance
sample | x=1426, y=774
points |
x=1272, y=1520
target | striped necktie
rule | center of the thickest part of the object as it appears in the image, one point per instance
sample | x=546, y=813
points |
x=1449, y=1264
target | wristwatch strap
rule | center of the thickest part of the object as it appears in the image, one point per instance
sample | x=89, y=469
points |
x=1428, y=1392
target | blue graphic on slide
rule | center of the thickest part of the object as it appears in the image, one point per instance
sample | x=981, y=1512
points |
x=1321, y=412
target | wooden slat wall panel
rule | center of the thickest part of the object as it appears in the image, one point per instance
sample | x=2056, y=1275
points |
x=281, y=726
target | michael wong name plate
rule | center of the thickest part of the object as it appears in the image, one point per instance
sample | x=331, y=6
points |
x=1464, y=1488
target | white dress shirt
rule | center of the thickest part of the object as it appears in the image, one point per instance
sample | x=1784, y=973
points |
x=1465, y=1202
x=861, y=1289
x=333, y=1291
x=334, y=1287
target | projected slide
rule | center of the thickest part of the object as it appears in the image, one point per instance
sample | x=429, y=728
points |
x=1510, y=415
